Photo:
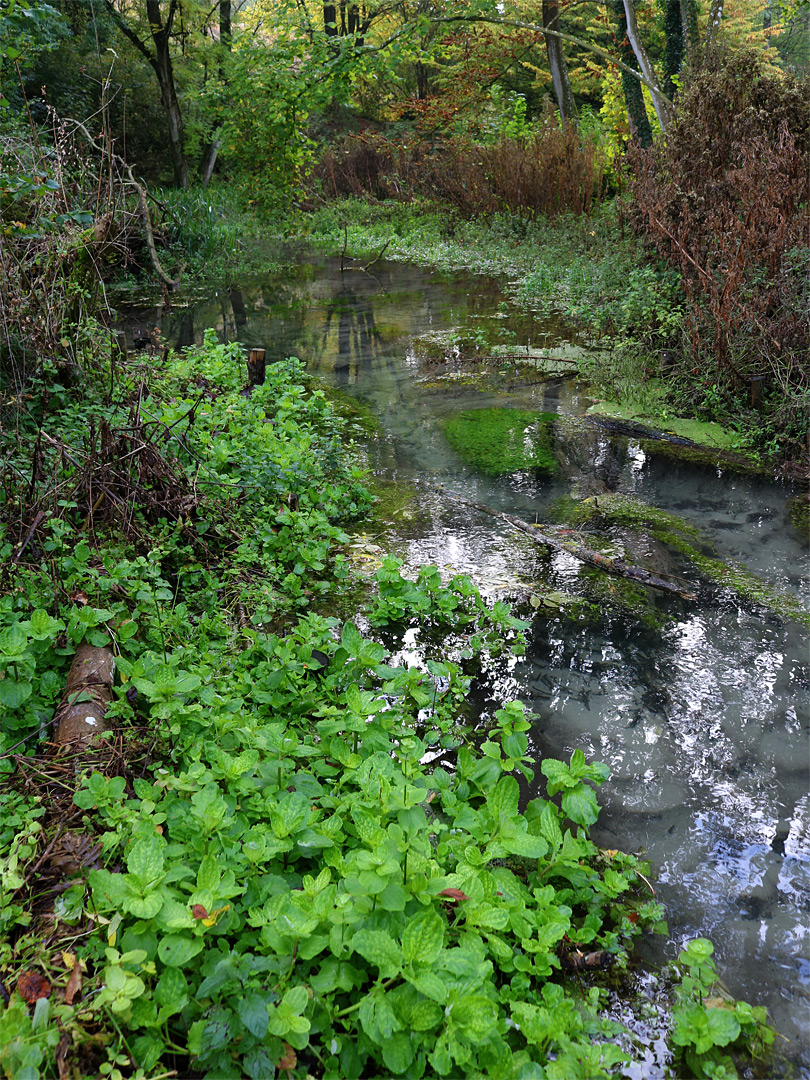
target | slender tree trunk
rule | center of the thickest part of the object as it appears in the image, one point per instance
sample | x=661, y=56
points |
x=713, y=23
x=209, y=157
x=556, y=62
x=174, y=118
x=633, y=95
x=644, y=64
x=330, y=20
x=676, y=43
x=160, y=61
x=691, y=37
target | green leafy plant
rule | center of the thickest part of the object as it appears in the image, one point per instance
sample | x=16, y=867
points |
x=708, y=1026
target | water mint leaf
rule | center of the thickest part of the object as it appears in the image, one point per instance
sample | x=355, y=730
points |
x=143, y=907
x=43, y=627
x=380, y=949
x=580, y=805
x=526, y=845
x=14, y=692
x=209, y=874
x=253, y=1014
x=145, y=861
x=13, y=641
x=171, y=992
x=398, y=1052
x=503, y=801
x=423, y=938
x=475, y=1014
x=175, y=950
x=425, y=1015
x=429, y=984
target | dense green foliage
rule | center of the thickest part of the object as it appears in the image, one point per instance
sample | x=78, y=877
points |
x=320, y=863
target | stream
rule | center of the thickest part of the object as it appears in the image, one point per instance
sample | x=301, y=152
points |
x=699, y=709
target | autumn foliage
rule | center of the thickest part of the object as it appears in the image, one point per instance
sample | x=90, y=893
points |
x=550, y=171
x=725, y=200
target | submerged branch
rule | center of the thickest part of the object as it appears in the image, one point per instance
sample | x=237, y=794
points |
x=570, y=546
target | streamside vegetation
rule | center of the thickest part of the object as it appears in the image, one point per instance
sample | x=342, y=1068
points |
x=288, y=851
x=270, y=845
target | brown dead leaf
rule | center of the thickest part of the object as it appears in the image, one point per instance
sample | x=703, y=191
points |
x=31, y=986
x=74, y=984
x=454, y=894
x=289, y=1060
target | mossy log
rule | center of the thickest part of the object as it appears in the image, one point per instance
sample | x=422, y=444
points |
x=80, y=716
x=568, y=543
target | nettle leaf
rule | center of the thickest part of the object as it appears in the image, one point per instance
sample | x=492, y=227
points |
x=380, y=949
x=423, y=938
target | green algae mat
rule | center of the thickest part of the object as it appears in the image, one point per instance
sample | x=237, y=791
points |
x=500, y=441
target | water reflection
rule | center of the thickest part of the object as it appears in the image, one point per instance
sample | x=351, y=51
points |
x=704, y=721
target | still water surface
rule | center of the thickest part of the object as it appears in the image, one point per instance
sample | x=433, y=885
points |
x=704, y=723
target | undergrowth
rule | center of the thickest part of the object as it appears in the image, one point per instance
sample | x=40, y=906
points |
x=320, y=864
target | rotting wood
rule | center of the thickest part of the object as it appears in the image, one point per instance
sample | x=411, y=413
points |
x=80, y=716
x=571, y=546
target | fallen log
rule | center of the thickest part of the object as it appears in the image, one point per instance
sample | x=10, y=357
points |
x=80, y=715
x=568, y=544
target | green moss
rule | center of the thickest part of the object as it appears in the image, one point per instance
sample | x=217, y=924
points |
x=703, y=433
x=500, y=441
x=688, y=541
x=703, y=455
x=799, y=514
x=625, y=597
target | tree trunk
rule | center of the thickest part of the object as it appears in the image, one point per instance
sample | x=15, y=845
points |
x=633, y=94
x=691, y=37
x=80, y=717
x=163, y=70
x=211, y=151
x=644, y=64
x=713, y=23
x=161, y=64
x=556, y=62
x=676, y=43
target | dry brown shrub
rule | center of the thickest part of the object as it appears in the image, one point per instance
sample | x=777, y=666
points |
x=725, y=200
x=551, y=172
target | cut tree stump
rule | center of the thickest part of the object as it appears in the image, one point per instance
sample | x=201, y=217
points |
x=80, y=715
